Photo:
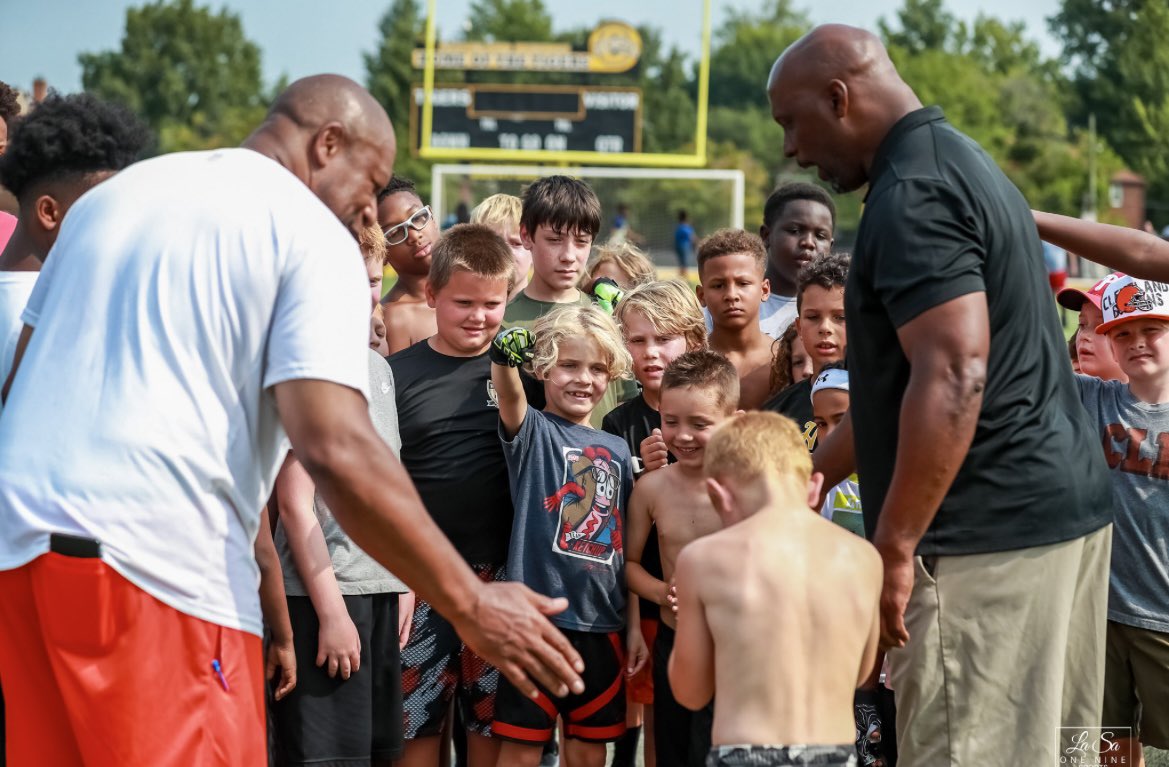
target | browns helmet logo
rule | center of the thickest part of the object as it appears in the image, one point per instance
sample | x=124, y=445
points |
x=1131, y=299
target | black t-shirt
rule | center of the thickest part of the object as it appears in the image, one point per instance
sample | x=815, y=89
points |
x=633, y=421
x=942, y=221
x=449, y=421
x=796, y=403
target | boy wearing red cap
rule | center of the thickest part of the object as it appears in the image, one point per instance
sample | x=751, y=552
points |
x=1133, y=420
x=1093, y=352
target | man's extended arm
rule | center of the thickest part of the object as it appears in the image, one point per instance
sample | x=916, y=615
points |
x=1143, y=255
x=835, y=456
x=947, y=349
x=376, y=504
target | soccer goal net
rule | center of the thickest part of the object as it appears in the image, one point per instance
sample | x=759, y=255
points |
x=650, y=198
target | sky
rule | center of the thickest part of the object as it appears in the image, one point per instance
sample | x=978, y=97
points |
x=42, y=38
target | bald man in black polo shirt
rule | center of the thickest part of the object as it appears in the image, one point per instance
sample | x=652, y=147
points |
x=992, y=516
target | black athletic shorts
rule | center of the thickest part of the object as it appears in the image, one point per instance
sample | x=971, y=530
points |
x=681, y=736
x=329, y=721
x=597, y=715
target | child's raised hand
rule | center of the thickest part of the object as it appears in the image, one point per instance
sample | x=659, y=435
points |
x=512, y=347
x=653, y=451
x=606, y=294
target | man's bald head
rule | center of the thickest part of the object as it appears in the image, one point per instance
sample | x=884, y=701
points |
x=836, y=94
x=335, y=137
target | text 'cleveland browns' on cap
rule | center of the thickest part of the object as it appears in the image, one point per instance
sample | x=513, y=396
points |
x=1127, y=299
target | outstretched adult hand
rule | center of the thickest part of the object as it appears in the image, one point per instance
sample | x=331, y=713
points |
x=508, y=627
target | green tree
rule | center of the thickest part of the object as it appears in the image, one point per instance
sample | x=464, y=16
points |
x=1120, y=66
x=744, y=48
x=923, y=25
x=668, y=110
x=389, y=70
x=740, y=125
x=190, y=73
x=509, y=20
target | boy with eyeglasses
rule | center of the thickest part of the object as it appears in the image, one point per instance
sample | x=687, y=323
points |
x=411, y=232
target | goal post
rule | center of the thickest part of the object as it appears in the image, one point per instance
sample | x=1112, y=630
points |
x=652, y=197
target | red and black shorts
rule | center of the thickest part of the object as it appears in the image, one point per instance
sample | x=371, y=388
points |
x=597, y=715
x=437, y=666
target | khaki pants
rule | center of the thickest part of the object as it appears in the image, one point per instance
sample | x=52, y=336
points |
x=1004, y=649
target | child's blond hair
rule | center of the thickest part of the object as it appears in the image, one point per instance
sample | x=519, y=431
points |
x=670, y=306
x=626, y=257
x=499, y=211
x=578, y=321
x=758, y=445
x=373, y=245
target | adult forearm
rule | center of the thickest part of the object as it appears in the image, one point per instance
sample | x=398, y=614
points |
x=1120, y=248
x=375, y=502
x=272, y=600
x=938, y=417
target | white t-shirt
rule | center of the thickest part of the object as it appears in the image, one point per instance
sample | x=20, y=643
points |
x=207, y=277
x=15, y=288
x=775, y=315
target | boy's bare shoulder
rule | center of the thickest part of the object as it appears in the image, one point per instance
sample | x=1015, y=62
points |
x=852, y=551
x=651, y=484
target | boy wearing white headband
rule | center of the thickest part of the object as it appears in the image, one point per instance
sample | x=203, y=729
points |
x=873, y=704
x=829, y=404
x=1133, y=420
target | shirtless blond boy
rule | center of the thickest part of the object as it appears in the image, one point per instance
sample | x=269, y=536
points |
x=699, y=390
x=411, y=232
x=783, y=697
x=732, y=287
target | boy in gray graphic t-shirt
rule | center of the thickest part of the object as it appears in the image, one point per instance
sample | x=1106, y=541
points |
x=1133, y=419
x=570, y=483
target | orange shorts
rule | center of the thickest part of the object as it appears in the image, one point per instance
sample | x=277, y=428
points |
x=98, y=672
x=640, y=687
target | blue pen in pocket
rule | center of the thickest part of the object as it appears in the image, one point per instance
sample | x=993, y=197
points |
x=219, y=673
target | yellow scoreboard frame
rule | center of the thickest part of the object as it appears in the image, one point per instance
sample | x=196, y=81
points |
x=641, y=159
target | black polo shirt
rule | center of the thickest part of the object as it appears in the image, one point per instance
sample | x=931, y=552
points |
x=942, y=221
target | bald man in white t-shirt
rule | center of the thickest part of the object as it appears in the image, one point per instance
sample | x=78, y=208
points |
x=227, y=320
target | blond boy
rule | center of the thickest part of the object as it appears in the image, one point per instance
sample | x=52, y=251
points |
x=501, y=213
x=732, y=287
x=570, y=484
x=660, y=321
x=700, y=389
x=782, y=697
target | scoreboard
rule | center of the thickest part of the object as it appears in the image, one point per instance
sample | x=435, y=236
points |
x=555, y=118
